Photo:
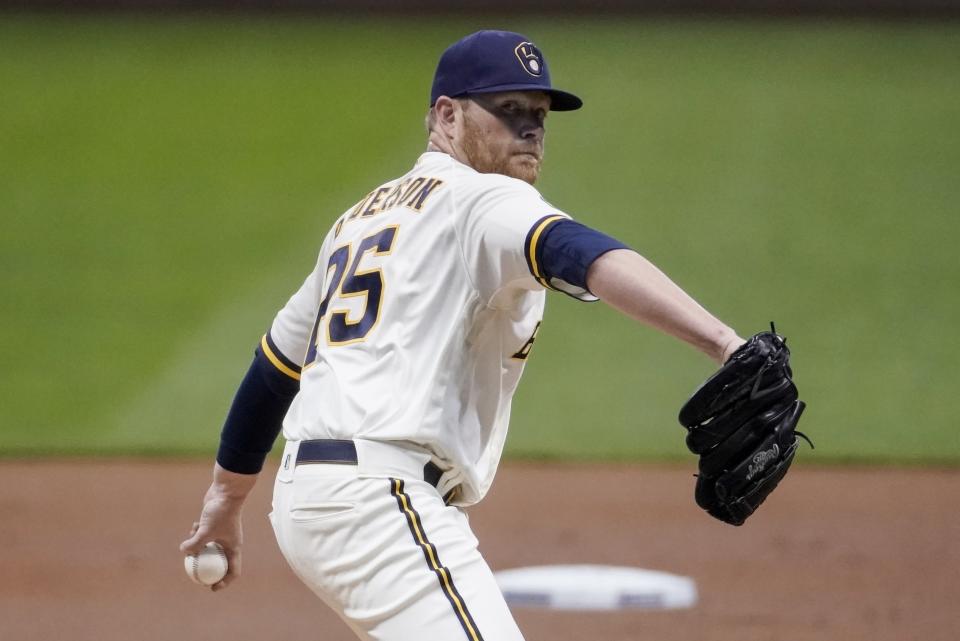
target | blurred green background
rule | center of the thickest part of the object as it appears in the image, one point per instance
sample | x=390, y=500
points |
x=165, y=182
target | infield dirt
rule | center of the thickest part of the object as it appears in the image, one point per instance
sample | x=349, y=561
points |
x=90, y=553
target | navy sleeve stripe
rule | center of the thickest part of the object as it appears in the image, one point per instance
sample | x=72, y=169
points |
x=531, y=250
x=276, y=357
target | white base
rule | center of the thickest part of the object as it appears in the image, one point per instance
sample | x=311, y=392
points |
x=595, y=587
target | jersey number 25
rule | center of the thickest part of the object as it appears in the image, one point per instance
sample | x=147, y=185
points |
x=348, y=283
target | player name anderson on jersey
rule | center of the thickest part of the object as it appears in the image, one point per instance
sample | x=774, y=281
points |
x=443, y=253
x=409, y=192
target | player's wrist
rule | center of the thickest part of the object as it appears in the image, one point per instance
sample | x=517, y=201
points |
x=728, y=346
x=230, y=486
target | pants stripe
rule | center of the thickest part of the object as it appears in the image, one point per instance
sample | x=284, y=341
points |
x=433, y=560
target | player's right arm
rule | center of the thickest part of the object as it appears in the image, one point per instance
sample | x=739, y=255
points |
x=254, y=421
x=220, y=519
x=252, y=425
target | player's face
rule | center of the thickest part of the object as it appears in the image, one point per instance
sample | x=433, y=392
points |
x=503, y=133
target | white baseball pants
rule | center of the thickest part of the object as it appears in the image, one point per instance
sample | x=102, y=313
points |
x=387, y=555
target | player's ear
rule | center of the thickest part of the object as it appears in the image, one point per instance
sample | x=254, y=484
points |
x=446, y=113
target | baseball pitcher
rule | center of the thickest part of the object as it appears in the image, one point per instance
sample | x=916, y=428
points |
x=392, y=368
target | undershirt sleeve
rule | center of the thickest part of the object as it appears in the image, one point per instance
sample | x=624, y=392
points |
x=512, y=238
x=561, y=250
x=256, y=415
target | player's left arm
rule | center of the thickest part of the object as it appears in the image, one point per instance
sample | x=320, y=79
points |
x=569, y=253
x=630, y=283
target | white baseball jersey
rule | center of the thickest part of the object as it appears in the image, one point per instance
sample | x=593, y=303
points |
x=417, y=320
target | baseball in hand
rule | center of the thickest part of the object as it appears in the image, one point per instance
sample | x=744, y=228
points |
x=209, y=566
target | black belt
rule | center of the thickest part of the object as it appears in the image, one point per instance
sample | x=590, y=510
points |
x=345, y=452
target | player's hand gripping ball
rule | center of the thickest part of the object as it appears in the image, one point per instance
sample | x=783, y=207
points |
x=741, y=422
x=209, y=566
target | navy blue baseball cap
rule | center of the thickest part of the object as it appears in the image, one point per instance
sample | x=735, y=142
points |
x=492, y=61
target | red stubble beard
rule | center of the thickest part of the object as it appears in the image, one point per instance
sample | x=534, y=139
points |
x=487, y=160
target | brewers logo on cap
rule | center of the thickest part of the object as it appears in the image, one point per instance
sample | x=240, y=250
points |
x=530, y=57
x=481, y=63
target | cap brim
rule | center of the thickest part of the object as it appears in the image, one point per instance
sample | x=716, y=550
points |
x=559, y=100
x=563, y=101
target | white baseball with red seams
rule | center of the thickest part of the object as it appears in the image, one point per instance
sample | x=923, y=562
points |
x=208, y=567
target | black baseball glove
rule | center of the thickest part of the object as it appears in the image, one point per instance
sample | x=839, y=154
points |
x=741, y=422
